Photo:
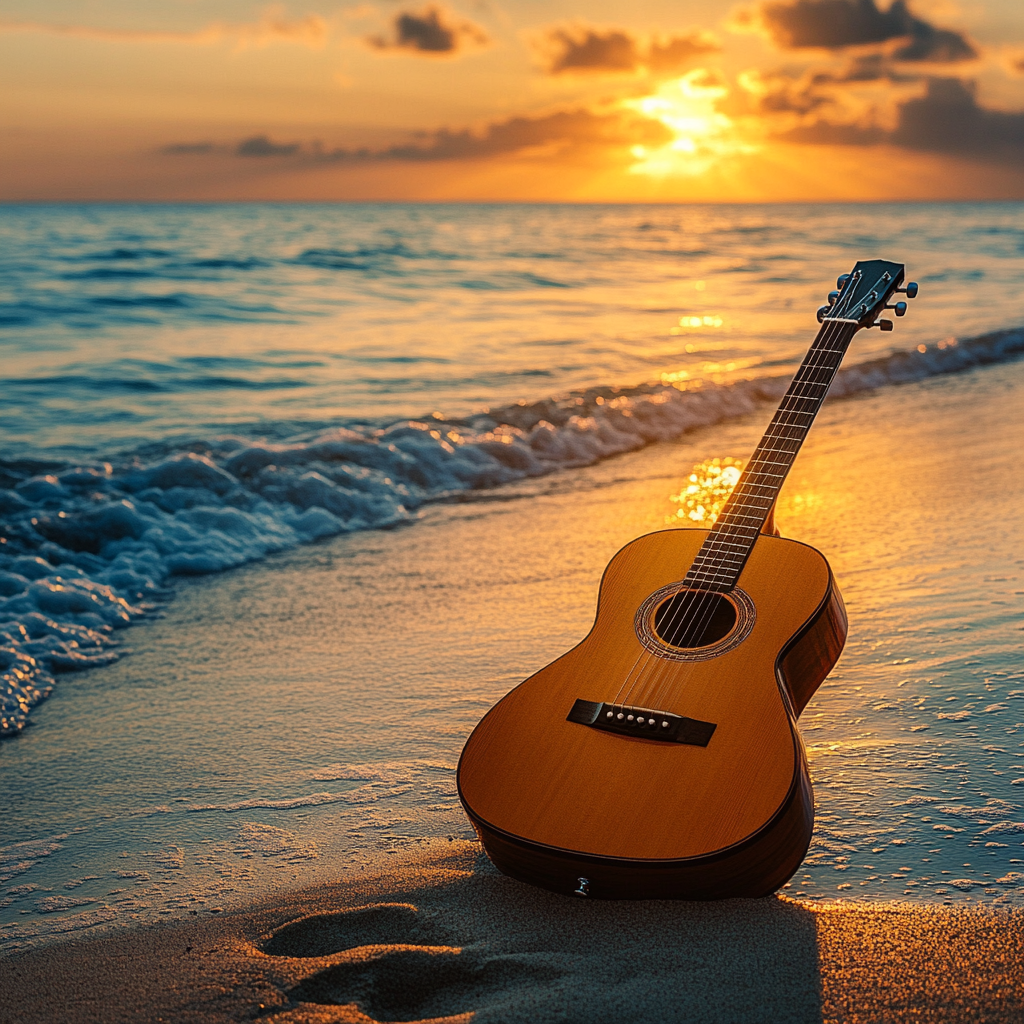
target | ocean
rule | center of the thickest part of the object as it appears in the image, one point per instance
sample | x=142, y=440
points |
x=415, y=434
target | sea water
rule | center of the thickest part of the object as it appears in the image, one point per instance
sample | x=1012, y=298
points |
x=509, y=393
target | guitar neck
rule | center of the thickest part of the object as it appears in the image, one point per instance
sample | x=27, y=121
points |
x=728, y=545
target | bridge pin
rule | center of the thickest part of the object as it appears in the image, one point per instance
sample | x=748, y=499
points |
x=629, y=718
x=620, y=715
x=664, y=725
x=610, y=714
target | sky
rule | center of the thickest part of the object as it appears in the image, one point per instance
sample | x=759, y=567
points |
x=517, y=100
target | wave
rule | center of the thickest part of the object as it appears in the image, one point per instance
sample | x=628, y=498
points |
x=85, y=550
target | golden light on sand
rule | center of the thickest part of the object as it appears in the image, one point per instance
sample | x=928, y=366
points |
x=702, y=135
x=707, y=489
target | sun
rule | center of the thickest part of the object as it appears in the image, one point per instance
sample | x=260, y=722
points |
x=702, y=135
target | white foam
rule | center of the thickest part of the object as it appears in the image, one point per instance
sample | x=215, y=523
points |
x=88, y=549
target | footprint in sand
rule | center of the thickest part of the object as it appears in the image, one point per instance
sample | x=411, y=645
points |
x=396, y=964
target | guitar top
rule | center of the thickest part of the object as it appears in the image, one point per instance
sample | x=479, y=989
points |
x=660, y=757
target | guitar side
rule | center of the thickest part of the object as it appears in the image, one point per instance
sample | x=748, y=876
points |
x=555, y=800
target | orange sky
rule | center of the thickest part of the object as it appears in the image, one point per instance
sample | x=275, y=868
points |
x=777, y=100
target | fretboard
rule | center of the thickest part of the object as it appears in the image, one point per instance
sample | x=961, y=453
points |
x=727, y=547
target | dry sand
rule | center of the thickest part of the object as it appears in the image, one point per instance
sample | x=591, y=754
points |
x=444, y=937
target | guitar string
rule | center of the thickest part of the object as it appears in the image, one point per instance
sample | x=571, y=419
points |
x=673, y=621
x=783, y=432
x=729, y=535
x=699, y=613
x=820, y=365
x=824, y=338
x=778, y=430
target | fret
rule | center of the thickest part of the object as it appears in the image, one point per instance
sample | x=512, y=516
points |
x=731, y=565
x=721, y=586
x=770, y=462
x=800, y=432
x=750, y=483
x=775, y=451
x=727, y=579
x=796, y=398
x=747, y=500
x=795, y=412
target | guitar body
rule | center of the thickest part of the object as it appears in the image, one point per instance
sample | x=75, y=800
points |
x=573, y=807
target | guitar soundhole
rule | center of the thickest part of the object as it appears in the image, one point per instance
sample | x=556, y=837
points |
x=694, y=618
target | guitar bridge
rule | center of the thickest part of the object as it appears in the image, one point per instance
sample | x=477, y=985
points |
x=651, y=725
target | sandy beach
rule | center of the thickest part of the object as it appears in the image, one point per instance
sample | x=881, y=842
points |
x=444, y=937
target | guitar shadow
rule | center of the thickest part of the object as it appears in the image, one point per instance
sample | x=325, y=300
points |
x=473, y=945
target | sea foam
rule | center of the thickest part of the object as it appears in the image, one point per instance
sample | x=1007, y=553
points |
x=87, y=549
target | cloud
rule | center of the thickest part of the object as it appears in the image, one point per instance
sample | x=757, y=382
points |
x=260, y=146
x=582, y=49
x=834, y=24
x=555, y=132
x=949, y=119
x=312, y=31
x=187, y=148
x=432, y=31
x=559, y=133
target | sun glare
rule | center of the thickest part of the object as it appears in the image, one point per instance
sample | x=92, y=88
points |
x=702, y=135
x=706, y=491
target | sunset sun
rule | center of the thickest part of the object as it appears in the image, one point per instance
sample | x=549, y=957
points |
x=701, y=134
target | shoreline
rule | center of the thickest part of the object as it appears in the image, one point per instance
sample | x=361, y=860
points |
x=442, y=936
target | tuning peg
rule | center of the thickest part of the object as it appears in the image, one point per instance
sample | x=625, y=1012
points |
x=883, y=325
x=832, y=296
x=822, y=310
x=910, y=291
x=841, y=280
x=900, y=308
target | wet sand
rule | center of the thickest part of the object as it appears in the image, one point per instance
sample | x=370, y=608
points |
x=444, y=937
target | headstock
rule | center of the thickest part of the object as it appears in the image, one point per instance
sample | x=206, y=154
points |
x=865, y=292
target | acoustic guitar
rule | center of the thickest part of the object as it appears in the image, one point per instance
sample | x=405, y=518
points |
x=660, y=757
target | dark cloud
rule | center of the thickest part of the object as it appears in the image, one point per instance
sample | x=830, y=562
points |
x=260, y=145
x=562, y=132
x=565, y=130
x=949, y=119
x=580, y=49
x=834, y=24
x=946, y=119
x=431, y=31
x=187, y=148
x=591, y=50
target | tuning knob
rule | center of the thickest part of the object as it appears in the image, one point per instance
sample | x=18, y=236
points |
x=900, y=308
x=832, y=296
x=822, y=310
x=910, y=291
x=841, y=280
x=883, y=325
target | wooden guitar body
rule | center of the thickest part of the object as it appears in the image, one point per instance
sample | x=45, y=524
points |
x=660, y=758
x=573, y=807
